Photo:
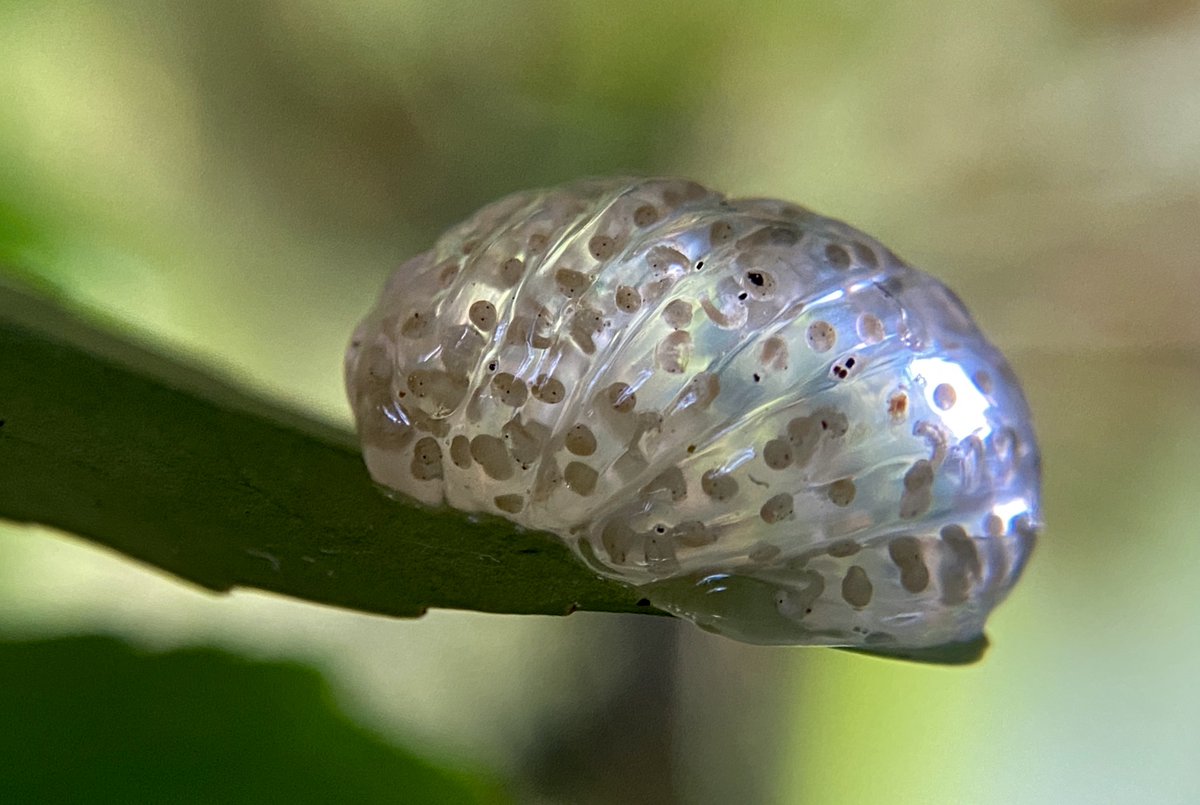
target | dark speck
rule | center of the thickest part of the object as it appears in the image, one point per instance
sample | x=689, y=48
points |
x=643, y=602
x=743, y=296
x=699, y=265
x=755, y=278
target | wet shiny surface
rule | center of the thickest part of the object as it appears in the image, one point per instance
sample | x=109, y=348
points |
x=763, y=415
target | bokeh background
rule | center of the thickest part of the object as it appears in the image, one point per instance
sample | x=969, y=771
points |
x=235, y=178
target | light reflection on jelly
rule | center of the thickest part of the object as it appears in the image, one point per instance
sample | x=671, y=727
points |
x=968, y=413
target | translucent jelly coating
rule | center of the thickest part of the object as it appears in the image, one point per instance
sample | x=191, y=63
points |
x=761, y=415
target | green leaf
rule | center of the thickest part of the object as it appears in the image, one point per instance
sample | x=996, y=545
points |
x=89, y=719
x=123, y=446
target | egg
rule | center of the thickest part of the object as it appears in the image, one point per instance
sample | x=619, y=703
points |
x=758, y=415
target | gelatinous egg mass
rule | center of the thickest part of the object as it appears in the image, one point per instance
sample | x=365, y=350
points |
x=760, y=416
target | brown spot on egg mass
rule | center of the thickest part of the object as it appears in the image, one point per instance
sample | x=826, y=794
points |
x=674, y=352
x=549, y=390
x=693, y=534
x=918, y=486
x=678, y=313
x=427, y=459
x=447, y=274
x=571, y=283
x=720, y=232
x=960, y=566
x=483, y=315
x=778, y=507
x=511, y=271
x=775, y=353
x=857, y=587
x=417, y=325
x=621, y=397
x=905, y=552
x=662, y=259
x=645, y=215
x=718, y=485
x=837, y=256
x=460, y=451
x=443, y=388
x=841, y=493
x=777, y=454
x=580, y=440
x=580, y=478
x=525, y=440
x=628, y=299
x=510, y=390
x=672, y=481
x=602, y=247
x=585, y=324
x=510, y=503
x=944, y=396
x=763, y=552
x=492, y=454
x=865, y=254
x=772, y=235
x=821, y=336
x=870, y=328
x=843, y=548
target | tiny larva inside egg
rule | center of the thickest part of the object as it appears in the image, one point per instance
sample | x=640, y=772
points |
x=759, y=415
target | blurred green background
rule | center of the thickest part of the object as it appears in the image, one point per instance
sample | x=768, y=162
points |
x=234, y=179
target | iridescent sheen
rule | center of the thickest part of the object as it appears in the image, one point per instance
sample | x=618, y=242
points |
x=760, y=415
